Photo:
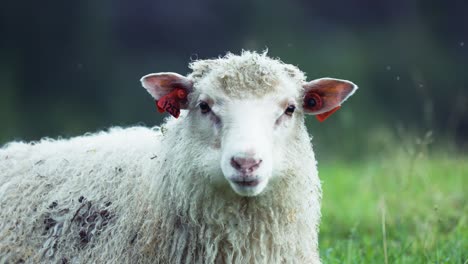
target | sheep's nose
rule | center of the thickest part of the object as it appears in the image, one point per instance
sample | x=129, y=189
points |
x=245, y=165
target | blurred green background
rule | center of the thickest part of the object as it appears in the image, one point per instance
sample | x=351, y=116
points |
x=393, y=153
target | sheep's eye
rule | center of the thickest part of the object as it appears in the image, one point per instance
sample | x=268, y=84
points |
x=204, y=107
x=290, y=110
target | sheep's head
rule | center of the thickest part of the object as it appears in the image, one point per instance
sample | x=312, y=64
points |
x=247, y=110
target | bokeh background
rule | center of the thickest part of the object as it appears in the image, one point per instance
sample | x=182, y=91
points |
x=70, y=67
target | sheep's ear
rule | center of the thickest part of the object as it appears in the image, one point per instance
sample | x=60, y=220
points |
x=170, y=91
x=323, y=97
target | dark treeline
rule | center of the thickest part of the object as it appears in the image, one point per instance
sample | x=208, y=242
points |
x=68, y=67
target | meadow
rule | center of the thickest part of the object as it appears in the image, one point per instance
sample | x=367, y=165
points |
x=408, y=204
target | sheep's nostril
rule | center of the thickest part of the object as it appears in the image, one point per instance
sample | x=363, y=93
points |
x=245, y=165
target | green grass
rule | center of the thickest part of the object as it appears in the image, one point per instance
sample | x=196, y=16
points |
x=405, y=207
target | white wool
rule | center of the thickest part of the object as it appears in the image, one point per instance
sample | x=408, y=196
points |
x=54, y=189
x=140, y=195
x=244, y=75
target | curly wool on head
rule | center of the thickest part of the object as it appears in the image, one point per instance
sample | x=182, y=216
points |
x=250, y=72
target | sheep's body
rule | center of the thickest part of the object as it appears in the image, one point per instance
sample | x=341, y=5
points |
x=49, y=188
x=56, y=195
x=177, y=194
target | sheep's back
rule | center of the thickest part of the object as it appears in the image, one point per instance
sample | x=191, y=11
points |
x=74, y=198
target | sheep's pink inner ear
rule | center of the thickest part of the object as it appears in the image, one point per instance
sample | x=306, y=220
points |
x=170, y=91
x=323, y=97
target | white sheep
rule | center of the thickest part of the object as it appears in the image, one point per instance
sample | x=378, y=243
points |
x=233, y=180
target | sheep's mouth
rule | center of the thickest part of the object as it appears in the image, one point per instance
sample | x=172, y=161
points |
x=246, y=183
x=247, y=186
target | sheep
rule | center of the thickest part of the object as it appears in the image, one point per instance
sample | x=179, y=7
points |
x=230, y=177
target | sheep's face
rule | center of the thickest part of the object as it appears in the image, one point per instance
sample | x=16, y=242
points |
x=248, y=135
x=247, y=115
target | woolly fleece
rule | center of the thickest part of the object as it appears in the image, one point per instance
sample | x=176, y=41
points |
x=141, y=195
